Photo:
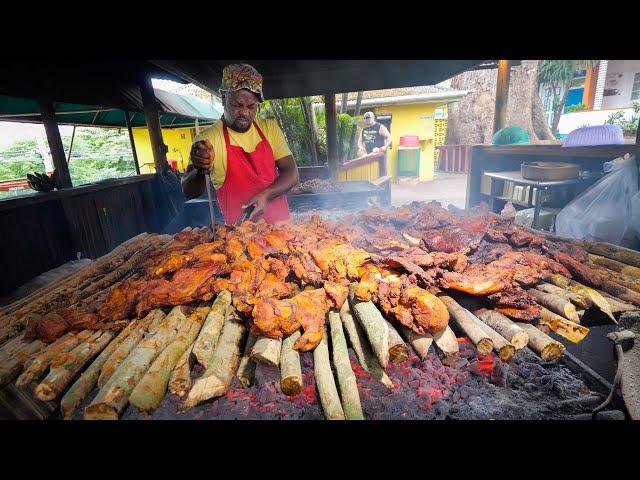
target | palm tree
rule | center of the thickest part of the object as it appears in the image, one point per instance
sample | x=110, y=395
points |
x=560, y=73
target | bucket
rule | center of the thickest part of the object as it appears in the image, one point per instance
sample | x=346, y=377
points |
x=409, y=141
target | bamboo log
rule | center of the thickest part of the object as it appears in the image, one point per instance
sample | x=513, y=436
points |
x=7, y=333
x=579, y=300
x=150, y=391
x=217, y=378
x=374, y=326
x=447, y=344
x=469, y=324
x=325, y=382
x=501, y=346
x=88, y=379
x=542, y=344
x=420, y=343
x=596, y=298
x=267, y=350
x=206, y=341
x=11, y=366
x=247, y=369
x=504, y=326
x=113, y=397
x=633, y=272
x=41, y=362
x=290, y=371
x=61, y=374
x=398, y=351
x=573, y=332
x=360, y=345
x=346, y=378
x=555, y=303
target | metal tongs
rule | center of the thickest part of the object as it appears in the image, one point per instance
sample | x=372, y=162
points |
x=246, y=213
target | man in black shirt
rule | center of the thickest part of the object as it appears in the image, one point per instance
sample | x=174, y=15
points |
x=375, y=138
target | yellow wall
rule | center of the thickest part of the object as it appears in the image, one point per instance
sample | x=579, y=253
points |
x=177, y=139
x=411, y=119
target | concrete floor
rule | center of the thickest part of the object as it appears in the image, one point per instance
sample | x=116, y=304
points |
x=447, y=188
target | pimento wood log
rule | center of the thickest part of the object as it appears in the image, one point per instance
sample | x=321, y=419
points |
x=217, y=378
x=614, y=265
x=501, y=345
x=114, y=396
x=267, y=350
x=619, y=278
x=126, y=346
x=447, y=344
x=398, y=351
x=573, y=332
x=10, y=366
x=180, y=378
x=504, y=326
x=542, y=344
x=41, y=362
x=469, y=324
x=374, y=326
x=247, y=369
x=290, y=370
x=579, y=300
x=62, y=373
x=151, y=389
x=420, y=343
x=346, y=378
x=360, y=345
x=208, y=337
x=555, y=303
x=88, y=379
x=596, y=298
x=325, y=382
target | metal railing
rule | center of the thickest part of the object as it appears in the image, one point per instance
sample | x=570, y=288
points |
x=453, y=158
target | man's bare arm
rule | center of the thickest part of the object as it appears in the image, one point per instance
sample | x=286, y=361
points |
x=387, y=136
x=193, y=182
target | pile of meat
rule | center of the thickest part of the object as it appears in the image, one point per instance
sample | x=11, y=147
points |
x=289, y=275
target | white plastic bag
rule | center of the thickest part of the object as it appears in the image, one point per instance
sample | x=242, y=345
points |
x=603, y=212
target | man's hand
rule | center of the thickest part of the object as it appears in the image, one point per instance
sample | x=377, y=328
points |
x=202, y=155
x=260, y=201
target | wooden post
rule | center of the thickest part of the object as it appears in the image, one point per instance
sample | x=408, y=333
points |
x=133, y=144
x=332, y=138
x=153, y=124
x=638, y=134
x=73, y=135
x=502, y=95
x=48, y=115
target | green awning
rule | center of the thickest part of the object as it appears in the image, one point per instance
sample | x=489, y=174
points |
x=176, y=111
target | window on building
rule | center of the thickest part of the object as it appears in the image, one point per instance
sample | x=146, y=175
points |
x=635, y=90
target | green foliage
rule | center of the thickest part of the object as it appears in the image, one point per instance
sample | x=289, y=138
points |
x=288, y=112
x=628, y=125
x=578, y=107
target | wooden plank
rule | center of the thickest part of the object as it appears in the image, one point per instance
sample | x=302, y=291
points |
x=131, y=141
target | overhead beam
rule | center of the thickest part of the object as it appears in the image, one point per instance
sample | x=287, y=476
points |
x=48, y=115
x=153, y=125
x=332, y=134
x=502, y=95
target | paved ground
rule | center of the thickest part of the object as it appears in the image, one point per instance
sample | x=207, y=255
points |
x=447, y=188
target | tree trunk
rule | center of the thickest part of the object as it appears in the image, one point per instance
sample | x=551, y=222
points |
x=470, y=121
x=307, y=111
x=558, y=112
x=353, y=142
x=343, y=103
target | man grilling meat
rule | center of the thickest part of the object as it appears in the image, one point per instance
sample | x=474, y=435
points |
x=248, y=159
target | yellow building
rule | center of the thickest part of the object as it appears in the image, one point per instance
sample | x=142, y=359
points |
x=405, y=111
x=178, y=140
